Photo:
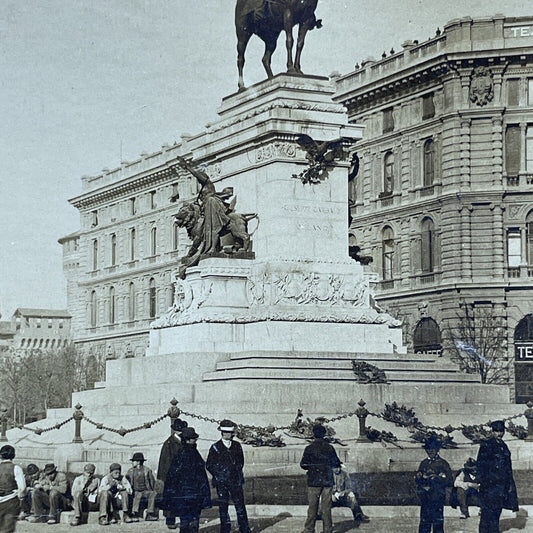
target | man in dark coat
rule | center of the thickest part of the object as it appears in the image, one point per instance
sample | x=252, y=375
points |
x=169, y=449
x=225, y=463
x=319, y=459
x=186, y=486
x=433, y=476
x=497, y=489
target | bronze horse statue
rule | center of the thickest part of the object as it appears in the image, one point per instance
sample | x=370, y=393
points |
x=267, y=19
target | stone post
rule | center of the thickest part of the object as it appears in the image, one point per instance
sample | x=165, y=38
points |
x=78, y=417
x=362, y=413
x=529, y=416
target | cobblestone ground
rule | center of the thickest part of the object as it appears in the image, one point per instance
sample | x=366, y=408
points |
x=286, y=524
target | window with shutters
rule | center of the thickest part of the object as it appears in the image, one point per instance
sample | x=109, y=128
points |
x=387, y=241
x=388, y=173
x=429, y=162
x=427, y=252
x=512, y=150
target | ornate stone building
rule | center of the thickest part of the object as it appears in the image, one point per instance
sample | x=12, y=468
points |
x=444, y=198
x=119, y=264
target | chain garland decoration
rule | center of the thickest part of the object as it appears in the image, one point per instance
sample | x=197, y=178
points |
x=38, y=430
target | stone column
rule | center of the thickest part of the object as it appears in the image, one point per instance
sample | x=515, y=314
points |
x=465, y=152
x=497, y=151
x=465, y=242
x=523, y=131
x=523, y=247
x=499, y=244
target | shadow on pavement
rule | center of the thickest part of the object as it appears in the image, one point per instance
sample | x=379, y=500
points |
x=346, y=525
x=507, y=524
x=256, y=524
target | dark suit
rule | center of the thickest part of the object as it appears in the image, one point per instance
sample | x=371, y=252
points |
x=497, y=488
x=169, y=450
x=225, y=465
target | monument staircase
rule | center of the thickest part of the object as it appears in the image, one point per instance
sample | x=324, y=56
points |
x=255, y=340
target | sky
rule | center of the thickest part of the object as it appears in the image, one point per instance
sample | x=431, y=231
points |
x=87, y=84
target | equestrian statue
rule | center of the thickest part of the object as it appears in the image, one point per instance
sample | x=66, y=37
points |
x=267, y=19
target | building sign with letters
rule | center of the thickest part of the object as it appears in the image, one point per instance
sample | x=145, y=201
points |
x=523, y=351
x=518, y=31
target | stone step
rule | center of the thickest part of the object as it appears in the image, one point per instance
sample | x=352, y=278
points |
x=429, y=375
x=337, y=363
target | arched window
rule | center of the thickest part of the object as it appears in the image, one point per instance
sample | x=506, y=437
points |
x=387, y=240
x=388, y=173
x=427, y=252
x=153, y=298
x=93, y=309
x=131, y=308
x=429, y=162
x=153, y=241
x=175, y=236
x=95, y=254
x=524, y=329
x=113, y=250
x=112, y=305
x=427, y=337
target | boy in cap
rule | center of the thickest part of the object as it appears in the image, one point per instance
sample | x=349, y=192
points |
x=344, y=496
x=12, y=486
x=433, y=476
x=225, y=462
x=85, y=494
x=51, y=495
x=497, y=488
x=113, y=493
x=466, y=487
x=169, y=449
x=319, y=459
x=142, y=482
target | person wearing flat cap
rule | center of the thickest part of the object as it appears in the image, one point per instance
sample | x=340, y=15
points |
x=497, y=489
x=142, y=482
x=186, y=490
x=85, y=494
x=113, y=495
x=12, y=487
x=434, y=475
x=51, y=495
x=225, y=462
x=169, y=449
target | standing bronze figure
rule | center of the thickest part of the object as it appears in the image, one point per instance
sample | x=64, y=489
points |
x=267, y=19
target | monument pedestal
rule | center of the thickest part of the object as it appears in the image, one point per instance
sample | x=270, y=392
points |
x=257, y=339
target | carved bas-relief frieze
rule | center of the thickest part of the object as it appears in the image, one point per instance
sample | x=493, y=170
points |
x=283, y=291
x=276, y=149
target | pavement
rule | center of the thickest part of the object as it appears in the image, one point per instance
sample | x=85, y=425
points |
x=290, y=519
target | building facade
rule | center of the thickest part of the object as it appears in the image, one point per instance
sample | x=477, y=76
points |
x=119, y=264
x=443, y=201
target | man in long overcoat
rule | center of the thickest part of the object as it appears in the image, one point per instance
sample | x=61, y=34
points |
x=225, y=463
x=497, y=488
x=169, y=450
x=186, y=486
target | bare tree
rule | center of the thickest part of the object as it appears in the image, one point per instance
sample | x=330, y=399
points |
x=477, y=341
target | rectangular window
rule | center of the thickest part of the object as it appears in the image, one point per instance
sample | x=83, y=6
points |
x=132, y=244
x=530, y=92
x=513, y=87
x=388, y=120
x=514, y=248
x=175, y=236
x=153, y=203
x=512, y=150
x=94, y=218
x=529, y=231
x=133, y=207
x=49, y=323
x=428, y=106
x=38, y=322
x=61, y=324
x=529, y=149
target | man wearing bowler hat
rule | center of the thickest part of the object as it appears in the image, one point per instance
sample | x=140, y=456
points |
x=433, y=476
x=497, y=489
x=142, y=482
x=225, y=462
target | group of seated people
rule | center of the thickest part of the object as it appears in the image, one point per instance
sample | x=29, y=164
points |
x=48, y=493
